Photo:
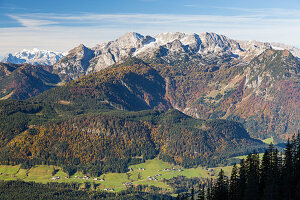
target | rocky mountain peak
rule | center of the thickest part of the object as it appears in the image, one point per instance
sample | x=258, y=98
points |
x=175, y=45
x=286, y=53
x=213, y=42
x=272, y=55
x=191, y=40
x=80, y=48
x=129, y=39
x=169, y=48
x=168, y=37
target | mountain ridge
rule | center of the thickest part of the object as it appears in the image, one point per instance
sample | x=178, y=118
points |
x=22, y=81
x=168, y=48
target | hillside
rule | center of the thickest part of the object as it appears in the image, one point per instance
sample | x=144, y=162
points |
x=263, y=95
x=23, y=81
x=87, y=123
x=109, y=141
x=127, y=87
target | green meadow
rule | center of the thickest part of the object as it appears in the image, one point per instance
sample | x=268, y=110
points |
x=269, y=140
x=138, y=176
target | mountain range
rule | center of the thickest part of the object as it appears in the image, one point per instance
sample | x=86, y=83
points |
x=166, y=48
x=224, y=84
x=34, y=56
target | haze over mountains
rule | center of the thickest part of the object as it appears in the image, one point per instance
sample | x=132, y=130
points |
x=205, y=76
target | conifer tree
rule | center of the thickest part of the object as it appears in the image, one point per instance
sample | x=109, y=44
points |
x=295, y=189
x=234, y=184
x=272, y=177
x=251, y=191
x=221, y=187
x=287, y=172
x=242, y=179
x=264, y=170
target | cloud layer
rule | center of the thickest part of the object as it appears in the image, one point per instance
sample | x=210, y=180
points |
x=62, y=32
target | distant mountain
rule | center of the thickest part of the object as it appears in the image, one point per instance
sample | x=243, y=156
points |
x=35, y=57
x=21, y=81
x=167, y=48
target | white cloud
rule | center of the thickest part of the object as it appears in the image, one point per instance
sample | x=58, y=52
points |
x=63, y=32
x=32, y=22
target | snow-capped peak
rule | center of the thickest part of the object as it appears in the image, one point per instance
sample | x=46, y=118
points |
x=34, y=56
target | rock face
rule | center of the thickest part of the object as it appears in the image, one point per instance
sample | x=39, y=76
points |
x=75, y=64
x=168, y=48
x=35, y=57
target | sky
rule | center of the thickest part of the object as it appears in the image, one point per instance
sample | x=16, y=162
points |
x=61, y=25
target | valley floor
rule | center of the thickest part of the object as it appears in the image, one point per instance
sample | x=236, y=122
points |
x=151, y=173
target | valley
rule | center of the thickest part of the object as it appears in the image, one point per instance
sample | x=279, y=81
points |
x=145, y=115
x=138, y=175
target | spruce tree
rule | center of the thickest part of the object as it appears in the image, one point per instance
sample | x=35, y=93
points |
x=287, y=171
x=264, y=171
x=234, y=184
x=221, y=187
x=272, y=179
x=295, y=190
x=242, y=179
x=251, y=191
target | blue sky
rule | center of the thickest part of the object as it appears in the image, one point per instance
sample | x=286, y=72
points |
x=62, y=25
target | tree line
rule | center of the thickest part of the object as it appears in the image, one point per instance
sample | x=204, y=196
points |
x=72, y=191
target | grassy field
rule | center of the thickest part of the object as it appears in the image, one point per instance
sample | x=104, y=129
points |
x=138, y=176
x=245, y=156
x=269, y=140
